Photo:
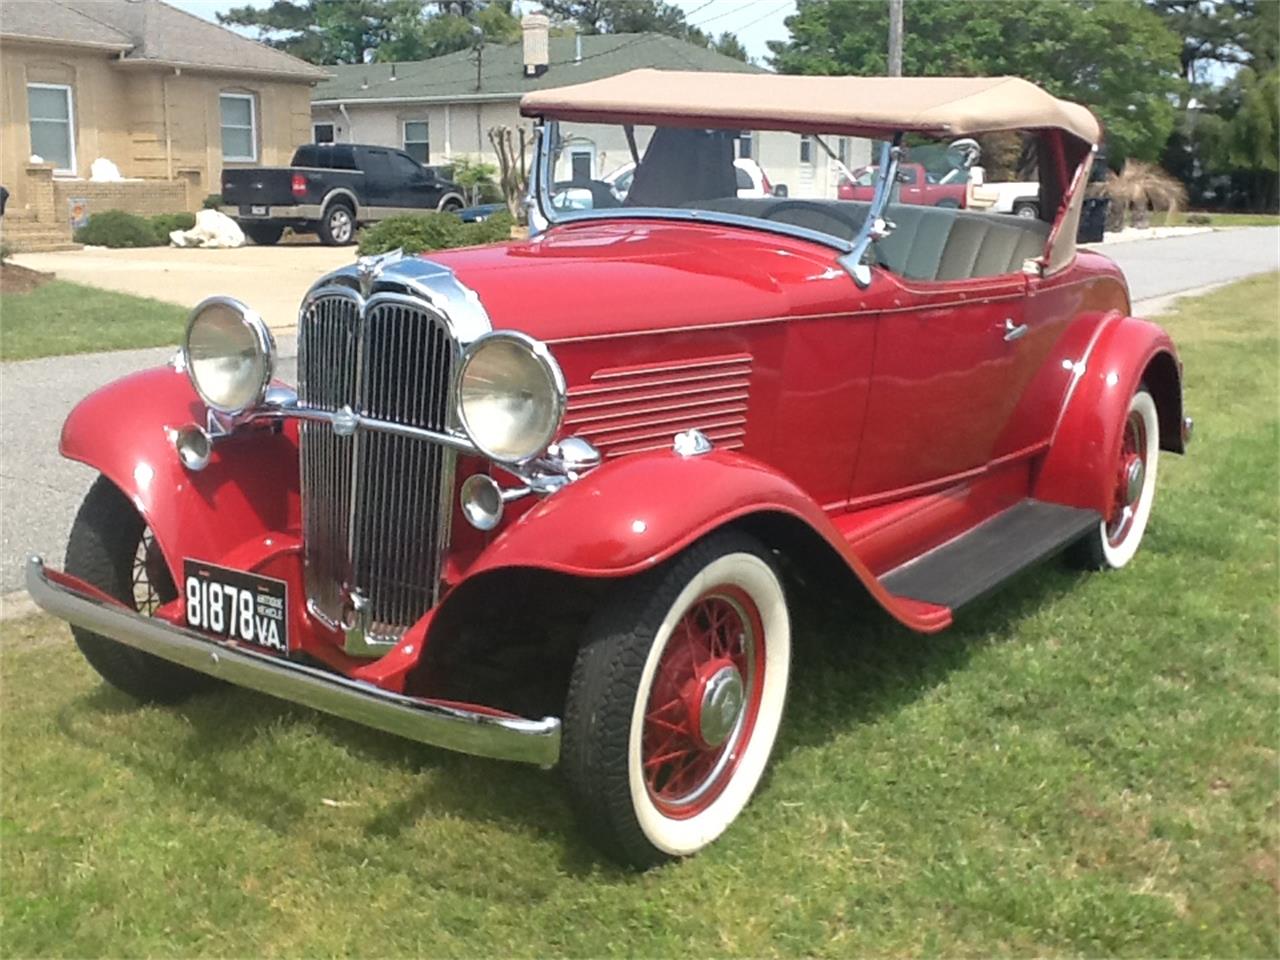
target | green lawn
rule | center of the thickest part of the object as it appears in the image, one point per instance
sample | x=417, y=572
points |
x=1220, y=219
x=1085, y=765
x=60, y=317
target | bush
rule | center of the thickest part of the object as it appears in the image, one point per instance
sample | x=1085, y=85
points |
x=6, y=252
x=1198, y=220
x=416, y=232
x=115, y=228
x=165, y=223
x=212, y=201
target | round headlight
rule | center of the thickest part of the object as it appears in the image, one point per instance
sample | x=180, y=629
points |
x=229, y=354
x=510, y=396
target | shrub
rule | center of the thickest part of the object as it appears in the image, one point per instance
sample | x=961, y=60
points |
x=115, y=228
x=212, y=201
x=6, y=252
x=165, y=223
x=1198, y=220
x=416, y=232
x=1143, y=188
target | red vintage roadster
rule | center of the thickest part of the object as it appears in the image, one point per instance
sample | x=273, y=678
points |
x=545, y=501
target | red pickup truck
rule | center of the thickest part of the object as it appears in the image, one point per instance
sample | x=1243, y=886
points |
x=917, y=184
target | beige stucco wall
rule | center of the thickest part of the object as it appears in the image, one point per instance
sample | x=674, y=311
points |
x=152, y=122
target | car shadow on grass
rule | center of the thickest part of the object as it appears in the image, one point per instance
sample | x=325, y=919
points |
x=851, y=666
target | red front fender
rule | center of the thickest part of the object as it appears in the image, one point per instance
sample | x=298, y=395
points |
x=633, y=513
x=125, y=431
x=1079, y=468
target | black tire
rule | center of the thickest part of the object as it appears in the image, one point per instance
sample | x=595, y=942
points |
x=450, y=205
x=1026, y=210
x=623, y=659
x=337, y=226
x=102, y=550
x=263, y=234
x=948, y=204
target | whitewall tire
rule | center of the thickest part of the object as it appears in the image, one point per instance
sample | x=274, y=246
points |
x=676, y=699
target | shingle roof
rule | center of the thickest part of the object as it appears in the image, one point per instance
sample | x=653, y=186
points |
x=453, y=76
x=151, y=32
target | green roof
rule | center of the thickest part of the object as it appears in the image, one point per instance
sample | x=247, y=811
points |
x=453, y=76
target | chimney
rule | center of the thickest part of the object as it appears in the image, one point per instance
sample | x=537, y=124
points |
x=536, y=28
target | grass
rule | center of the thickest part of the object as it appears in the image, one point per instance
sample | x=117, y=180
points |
x=60, y=318
x=1086, y=764
x=1218, y=219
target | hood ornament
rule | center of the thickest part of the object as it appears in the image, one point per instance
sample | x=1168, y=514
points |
x=368, y=269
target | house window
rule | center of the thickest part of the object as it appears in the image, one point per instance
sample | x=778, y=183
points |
x=239, y=127
x=842, y=149
x=322, y=133
x=744, y=145
x=806, y=149
x=417, y=143
x=52, y=125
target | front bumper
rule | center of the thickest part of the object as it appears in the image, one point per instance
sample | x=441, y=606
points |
x=437, y=724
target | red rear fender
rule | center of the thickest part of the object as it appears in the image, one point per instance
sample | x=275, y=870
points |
x=125, y=432
x=1079, y=469
x=635, y=512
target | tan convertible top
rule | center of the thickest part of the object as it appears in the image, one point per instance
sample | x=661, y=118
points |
x=946, y=106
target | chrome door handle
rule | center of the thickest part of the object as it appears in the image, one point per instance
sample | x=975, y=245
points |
x=1012, y=333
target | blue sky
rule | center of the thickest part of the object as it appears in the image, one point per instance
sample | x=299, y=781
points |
x=754, y=21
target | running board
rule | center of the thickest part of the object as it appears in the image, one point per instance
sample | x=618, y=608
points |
x=976, y=562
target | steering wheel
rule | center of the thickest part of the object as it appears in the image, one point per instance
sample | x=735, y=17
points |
x=783, y=206
x=602, y=195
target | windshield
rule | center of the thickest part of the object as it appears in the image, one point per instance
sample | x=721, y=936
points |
x=818, y=186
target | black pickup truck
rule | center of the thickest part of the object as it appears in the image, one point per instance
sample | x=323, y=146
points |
x=330, y=189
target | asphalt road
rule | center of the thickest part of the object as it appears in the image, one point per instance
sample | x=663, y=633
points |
x=39, y=491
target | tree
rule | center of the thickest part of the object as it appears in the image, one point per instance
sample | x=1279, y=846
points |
x=1211, y=30
x=639, y=16
x=356, y=31
x=1117, y=56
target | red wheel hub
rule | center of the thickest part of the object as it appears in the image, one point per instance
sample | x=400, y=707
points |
x=703, y=702
x=1131, y=475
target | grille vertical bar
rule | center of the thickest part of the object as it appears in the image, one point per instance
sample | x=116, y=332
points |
x=375, y=506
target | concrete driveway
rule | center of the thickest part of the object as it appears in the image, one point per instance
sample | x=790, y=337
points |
x=272, y=280
x=39, y=491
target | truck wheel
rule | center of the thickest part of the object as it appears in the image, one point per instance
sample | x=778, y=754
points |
x=450, y=205
x=675, y=700
x=1026, y=210
x=263, y=234
x=1116, y=539
x=112, y=549
x=338, y=224
x=948, y=204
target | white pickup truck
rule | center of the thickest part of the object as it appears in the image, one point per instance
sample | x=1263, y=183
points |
x=1020, y=199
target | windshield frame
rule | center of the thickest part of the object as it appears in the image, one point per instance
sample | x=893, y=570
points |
x=540, y=193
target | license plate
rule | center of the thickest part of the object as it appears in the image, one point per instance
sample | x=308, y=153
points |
x=258, y=210
x=237, y=605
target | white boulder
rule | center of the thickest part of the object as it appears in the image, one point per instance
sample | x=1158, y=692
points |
x=213, y=229
x=103, y=170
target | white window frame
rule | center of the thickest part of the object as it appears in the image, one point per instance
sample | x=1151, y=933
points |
x=71, y=121
x=332, y=127
x=253, y=126
x=404, y=138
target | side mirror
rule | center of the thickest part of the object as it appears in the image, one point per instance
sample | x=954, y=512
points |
x=963, y=154
x=780, y=190
x=904, y=177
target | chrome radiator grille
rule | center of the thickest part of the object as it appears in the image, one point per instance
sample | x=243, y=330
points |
x=375, y=507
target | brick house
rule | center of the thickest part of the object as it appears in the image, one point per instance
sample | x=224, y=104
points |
x=169, y=98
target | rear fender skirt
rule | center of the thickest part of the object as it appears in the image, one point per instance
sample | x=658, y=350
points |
x=1126, y=352
x=635, y=512
x=125, y=432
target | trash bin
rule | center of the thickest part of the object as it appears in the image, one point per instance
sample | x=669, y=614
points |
x=1093, y=219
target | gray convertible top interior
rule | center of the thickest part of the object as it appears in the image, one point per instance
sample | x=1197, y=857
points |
x=927, y=243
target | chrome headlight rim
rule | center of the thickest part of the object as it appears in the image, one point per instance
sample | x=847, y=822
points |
x=263, y=340
x=550, y=369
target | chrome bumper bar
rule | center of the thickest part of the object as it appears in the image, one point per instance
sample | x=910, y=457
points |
x=502, y=738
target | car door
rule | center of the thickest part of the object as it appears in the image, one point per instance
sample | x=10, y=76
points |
x=412, y=185
x=911, y=184
x=948, y=372
x=380, y=188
